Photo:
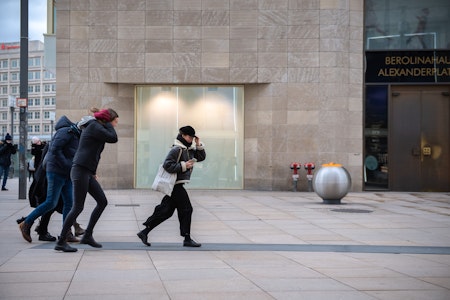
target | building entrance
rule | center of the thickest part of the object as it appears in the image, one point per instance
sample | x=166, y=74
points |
x=419, y=138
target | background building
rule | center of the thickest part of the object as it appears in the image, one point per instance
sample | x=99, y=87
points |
x=41, y=92
x=265, y=83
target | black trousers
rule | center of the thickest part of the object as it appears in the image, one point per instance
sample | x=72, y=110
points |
x=43, y=223
x=180, y=201
x=84, y=182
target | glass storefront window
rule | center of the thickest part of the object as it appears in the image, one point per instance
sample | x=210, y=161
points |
x=376, y=137
x=407, y=24
x=216, y=113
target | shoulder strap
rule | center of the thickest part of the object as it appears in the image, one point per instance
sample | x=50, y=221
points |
x=179, y=154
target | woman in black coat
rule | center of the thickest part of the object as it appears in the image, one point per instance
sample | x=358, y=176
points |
x=94, y=135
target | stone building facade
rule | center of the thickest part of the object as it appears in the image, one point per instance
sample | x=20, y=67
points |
x=300, y=62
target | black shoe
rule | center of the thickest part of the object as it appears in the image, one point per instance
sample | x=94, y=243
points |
x=191, y=243
x=20, y=220
x=89, y=240
x=65, y=247
x=4, y=189
x=143, y=238
x=47, y=237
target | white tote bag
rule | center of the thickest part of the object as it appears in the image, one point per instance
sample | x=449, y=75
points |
x=165, y=181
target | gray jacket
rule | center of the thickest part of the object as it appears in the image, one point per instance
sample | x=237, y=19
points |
x=172, y=166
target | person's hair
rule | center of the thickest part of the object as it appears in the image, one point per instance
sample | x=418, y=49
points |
x=112, y=113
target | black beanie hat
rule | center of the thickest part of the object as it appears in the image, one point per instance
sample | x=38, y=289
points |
x=188, y=130
x=8, y=137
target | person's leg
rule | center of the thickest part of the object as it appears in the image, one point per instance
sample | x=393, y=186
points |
x=67, y=196
x=162, y=212
x=67, y=203
x=54, y=186
x=80, y=183
x=96, y=191
x=184, y=210
x=5, y=177
x=42, y=229
x=2, y=173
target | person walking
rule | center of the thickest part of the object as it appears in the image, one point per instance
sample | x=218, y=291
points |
x=179, y=199
x=7, y=148
x=58, y=164
x=95, y=134
x=37, y=146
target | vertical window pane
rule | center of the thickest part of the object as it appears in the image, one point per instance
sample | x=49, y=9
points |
x=376, y=137
x=216, y=113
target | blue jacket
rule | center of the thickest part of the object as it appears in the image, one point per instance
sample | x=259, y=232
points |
x=62, y=148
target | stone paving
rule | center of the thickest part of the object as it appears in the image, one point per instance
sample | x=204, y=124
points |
x=255, y=245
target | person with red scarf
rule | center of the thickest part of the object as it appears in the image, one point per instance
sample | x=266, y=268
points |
x=96, y=132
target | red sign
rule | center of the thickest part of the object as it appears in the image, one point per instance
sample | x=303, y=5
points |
x=8, y=47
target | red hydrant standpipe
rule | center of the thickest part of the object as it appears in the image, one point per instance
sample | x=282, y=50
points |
x=309, y=175
x=295, y=166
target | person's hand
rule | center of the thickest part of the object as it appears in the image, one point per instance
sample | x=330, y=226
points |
x=197, y=141
x=190, y=164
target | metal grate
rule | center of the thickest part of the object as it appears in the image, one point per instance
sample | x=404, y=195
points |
x=352, y=210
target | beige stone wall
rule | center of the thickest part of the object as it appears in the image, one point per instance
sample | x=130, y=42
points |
x=301, y=62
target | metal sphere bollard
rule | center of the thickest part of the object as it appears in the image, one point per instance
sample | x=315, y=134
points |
x=332, y=182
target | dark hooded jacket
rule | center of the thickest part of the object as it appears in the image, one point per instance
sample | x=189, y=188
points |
x=62, y=148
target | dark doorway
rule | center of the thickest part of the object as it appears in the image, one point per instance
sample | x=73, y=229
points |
x=419, y=138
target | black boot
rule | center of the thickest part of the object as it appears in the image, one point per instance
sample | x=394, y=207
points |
x=62, y=245
x=47, y=237
x=89, y=240
x=143, y=236
x=188, y=242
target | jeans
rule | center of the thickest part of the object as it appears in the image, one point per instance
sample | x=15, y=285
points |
x=57, y=185
x=4, y=172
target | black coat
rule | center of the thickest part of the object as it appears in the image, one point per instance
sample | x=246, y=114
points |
x=38, y=188
x=6, y=150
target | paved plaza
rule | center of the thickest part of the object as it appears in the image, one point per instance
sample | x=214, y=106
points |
x=255, y=245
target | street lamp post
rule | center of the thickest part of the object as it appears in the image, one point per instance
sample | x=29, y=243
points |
x=12, y=106
x=52, y=120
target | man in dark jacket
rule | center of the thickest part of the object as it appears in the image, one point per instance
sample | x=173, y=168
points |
x=6, y=150
x=58, y=164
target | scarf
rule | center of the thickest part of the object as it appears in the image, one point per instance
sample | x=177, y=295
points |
x=183, y=141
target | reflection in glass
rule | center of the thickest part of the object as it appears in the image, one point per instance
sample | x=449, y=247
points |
x=375, y=136
x=407, y=24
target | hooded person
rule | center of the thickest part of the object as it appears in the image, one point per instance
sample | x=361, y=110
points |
x=192, y=150
x=58, y=164
x=7, y=148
